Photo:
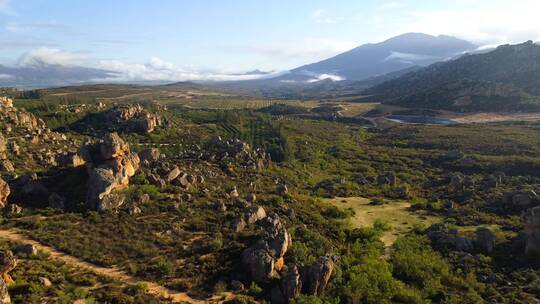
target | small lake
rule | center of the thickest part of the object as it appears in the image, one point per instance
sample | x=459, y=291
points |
x=420, y=119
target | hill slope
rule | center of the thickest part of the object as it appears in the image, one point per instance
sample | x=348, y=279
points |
x=506, y=79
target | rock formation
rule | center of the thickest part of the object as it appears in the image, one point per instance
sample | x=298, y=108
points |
x=264, y=260
x=110, y=170
x=133, y=119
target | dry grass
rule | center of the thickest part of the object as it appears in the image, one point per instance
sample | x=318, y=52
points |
x=396, y=214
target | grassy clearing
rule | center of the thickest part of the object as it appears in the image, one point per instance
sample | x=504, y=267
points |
x=395, y=214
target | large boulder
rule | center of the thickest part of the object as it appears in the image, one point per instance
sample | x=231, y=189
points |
x=316, y=277
x=4, y=192
x=259, y=263
x=150, y=155
x=531, y=221
x=448, y=239
x=113, y=146
x=485, y=240
x=520, y=198
x=101, y=183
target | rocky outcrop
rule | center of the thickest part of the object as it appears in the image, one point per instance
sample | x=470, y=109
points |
x=133, y=118
x=448, y=239
x=4, y=192
x=531, y=221
x=237, y=151
x=264, y=260
x=110, y=170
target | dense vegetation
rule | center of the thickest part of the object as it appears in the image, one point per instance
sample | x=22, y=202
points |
x=187, y=243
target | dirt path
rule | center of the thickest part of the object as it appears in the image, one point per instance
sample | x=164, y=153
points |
x=111, y=272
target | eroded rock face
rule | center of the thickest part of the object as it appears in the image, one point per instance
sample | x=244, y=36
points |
x=531, y=221
x=4, y=192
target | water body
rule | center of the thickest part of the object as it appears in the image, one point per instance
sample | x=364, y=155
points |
x=420, y=119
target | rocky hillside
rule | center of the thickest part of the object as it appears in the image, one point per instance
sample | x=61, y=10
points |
x=506, y=79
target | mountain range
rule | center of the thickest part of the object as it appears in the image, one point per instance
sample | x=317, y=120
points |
x=372, y=60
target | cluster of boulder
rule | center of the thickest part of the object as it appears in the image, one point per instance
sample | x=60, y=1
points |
x=444, y=238
x=133, y=118
x=531, y=221
x=264, y=261
x=25, y=136
x=228, y=150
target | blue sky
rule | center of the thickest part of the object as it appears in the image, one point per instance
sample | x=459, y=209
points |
x=216, y=37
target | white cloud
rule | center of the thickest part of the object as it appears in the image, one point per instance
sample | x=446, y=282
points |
x=408, y=57
x=481, y=21
x=325, y=77
x=157, y=69
x=6, y=76
x=45, y=55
